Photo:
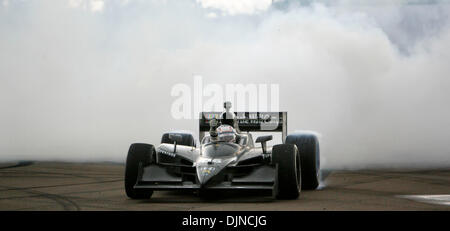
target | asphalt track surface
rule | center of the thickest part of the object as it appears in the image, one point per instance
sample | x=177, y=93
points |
x=76, y=186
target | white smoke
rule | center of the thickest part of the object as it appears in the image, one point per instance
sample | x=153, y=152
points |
x=79, y=84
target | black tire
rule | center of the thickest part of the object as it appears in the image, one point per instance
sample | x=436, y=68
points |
x=288, y=185
x=308, y=147
x=138, y=153
x=188, y=139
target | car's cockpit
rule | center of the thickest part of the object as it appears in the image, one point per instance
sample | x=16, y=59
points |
x=242, y=139
x=226, y=129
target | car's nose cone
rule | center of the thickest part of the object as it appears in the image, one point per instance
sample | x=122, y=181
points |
x=206, y=172
x=207, y=169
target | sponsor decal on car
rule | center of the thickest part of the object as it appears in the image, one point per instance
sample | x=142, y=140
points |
x=171, y=154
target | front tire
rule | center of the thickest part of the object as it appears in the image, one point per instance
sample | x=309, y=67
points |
x=137, y=154
x=288, y=185
x=308, y=147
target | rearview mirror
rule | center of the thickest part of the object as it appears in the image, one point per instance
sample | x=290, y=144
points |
x=177, y=138
x=263, y=140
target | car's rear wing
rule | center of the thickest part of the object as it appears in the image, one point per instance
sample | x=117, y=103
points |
x=250, y=122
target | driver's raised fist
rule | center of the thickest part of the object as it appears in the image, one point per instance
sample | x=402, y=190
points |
x=213, y=123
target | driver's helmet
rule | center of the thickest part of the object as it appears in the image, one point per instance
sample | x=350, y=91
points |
x=226, y=133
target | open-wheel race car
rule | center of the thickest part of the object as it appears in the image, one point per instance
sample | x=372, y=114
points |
x=226, y=158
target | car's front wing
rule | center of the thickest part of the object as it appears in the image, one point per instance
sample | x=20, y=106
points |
x=157, y=177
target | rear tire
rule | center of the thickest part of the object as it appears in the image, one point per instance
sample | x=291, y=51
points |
x=308, y=147
x=288, y=185
x=188, y=139
x=138, y=153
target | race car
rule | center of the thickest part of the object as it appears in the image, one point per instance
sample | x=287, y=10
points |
x=226, y=158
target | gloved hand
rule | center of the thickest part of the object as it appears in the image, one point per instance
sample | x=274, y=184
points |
x=213, y=123
x=212, y=127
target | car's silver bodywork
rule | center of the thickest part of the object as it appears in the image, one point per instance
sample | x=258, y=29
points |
x=214, y=164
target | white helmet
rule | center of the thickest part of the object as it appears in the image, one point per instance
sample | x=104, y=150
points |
x=226, y=133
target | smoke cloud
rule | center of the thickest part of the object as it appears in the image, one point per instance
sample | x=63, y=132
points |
x=81, y=81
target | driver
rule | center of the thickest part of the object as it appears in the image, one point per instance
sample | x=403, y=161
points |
x=227, y=128
x=224, y=132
